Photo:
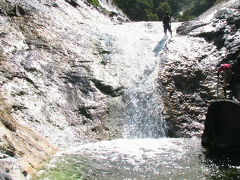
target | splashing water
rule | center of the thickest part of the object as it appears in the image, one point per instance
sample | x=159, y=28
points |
x=149, y=159
x=144, y=114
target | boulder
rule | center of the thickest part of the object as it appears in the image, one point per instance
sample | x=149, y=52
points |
x=222, y=126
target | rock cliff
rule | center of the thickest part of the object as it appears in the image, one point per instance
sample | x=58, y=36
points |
x=189, y=75
x=51, y=94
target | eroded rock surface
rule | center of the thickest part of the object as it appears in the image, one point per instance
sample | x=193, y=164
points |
x=22, y=150
x=189, y=76
x=48, y=53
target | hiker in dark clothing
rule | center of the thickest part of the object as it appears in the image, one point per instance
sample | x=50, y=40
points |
x=167, y=24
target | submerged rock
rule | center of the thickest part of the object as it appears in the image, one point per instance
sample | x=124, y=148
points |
x=222, y=126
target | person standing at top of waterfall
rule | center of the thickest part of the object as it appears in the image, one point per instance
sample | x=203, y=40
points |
x=167, y=23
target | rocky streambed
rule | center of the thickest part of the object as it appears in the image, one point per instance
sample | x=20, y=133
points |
x=67, y=71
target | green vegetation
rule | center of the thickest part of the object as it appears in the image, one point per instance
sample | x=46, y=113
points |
x=94, y=2
x=147, y=10
x=65, y=168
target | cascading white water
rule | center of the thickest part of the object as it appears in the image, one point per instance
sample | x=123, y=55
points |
x=144, y=114
x=109, y=5
x=144, y=108
x=135, y=52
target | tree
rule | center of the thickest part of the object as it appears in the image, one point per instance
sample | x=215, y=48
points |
x=139, y=10
x=163, y=8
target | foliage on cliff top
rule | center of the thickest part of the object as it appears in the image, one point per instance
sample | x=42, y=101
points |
x=181, y=10
x=94, y=2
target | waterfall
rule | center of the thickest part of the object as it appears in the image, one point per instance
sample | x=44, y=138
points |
x=136, y=55
x=144, y=109
x=108, y=4
x=144, y=114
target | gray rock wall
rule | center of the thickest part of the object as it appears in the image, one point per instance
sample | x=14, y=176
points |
x=46, y=70
x=49, y=51
x=189, y=75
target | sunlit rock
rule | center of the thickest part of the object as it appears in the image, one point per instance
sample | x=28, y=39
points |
x=190, y=68
x=17, y=140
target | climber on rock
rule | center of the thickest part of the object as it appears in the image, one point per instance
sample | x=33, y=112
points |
x=225, y=70
x=167, y=23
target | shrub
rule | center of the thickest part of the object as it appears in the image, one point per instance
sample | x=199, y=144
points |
x=94, y=2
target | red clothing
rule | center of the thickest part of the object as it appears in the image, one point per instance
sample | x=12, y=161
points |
x=224, y=67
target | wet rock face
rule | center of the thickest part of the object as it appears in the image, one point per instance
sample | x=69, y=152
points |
x=222, y=126
x=46, y=62
x=47, y=53
x=189, y=83
x=189, y=75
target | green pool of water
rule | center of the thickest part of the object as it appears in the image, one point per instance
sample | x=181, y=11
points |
x=142, y=159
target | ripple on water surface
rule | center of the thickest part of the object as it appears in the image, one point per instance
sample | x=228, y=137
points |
x=165, y=158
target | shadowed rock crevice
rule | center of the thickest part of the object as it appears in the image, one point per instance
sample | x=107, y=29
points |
x=187, y=27
x=72, y=3
x=216, y=37
x=84, y=111
x=107, y=89
x=189, y=82
x=18, y=11
x=81, y=82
